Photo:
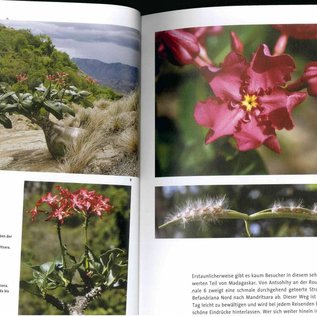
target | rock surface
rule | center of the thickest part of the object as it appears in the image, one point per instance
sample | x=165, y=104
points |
x=25, y=150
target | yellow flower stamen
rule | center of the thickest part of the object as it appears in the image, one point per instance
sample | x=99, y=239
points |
x=249, y=102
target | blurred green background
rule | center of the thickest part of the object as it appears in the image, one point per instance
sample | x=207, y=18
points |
x=244, y=198
x=40, y=244
x=180, y=147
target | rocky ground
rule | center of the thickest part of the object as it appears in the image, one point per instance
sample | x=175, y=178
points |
x=23, y=148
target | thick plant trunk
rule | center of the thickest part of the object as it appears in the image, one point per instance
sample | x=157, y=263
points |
x=81, y=302
x=58, y=137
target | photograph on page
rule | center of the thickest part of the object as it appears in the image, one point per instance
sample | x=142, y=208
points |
x=75, y=245
x=236, y=100
x=236, y=211
x=69, y=96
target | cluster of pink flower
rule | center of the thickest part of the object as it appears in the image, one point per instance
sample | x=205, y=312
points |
x=59, y=78
x=21, y=77
x=251, y=99
x=67, y=203
x=90, y=80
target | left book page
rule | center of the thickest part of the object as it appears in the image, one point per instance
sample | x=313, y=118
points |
x=69, y=102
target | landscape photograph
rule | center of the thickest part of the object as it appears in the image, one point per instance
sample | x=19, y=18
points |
x=69, y=98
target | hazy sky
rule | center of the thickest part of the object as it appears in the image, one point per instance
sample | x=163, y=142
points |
x=107, y=43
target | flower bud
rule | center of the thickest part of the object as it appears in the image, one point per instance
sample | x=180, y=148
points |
x=178, y=46
x=236, y=44
x=310, y=78
x=298, y=31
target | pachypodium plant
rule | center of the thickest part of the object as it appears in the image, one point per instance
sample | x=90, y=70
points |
x=83, y=278
x=216, y=209
x=52, y=97
x=250, y=98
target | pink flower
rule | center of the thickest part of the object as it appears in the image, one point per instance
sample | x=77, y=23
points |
x=296, y=31
x=91, y=203
x=178, y=46
x=67, y=203
x=21, y=77
x=309, y=78
x=186, y=46
x=236, y=44
x=90, y=80
x=202, y=32
x=250, y=103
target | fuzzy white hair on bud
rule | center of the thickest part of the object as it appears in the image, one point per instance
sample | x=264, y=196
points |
x=290, y=206
x=277, y=207
x=296, y=207
x=199, y=210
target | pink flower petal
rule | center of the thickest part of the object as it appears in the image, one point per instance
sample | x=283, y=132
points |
x=251, y=135
x=278, y=107
x=226, y=83
x=267, y=71
x=217, y=116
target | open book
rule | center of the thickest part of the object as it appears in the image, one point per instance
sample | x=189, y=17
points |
x=174, y=180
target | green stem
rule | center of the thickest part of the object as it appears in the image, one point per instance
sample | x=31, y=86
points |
x=247, y=228
x=59, y=233
x=86, y=243
x=301, y=214
x=233, y=214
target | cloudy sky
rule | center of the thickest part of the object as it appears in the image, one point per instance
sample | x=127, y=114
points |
x=107, y=43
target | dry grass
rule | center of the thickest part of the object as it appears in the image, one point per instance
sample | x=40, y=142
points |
x=109, y=142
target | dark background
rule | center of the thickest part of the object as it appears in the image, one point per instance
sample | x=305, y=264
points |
x=148, y=7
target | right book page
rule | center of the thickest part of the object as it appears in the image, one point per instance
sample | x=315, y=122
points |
x=228, y=162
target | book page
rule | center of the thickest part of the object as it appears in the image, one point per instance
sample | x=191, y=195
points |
x=69, y=108
x=228, y=177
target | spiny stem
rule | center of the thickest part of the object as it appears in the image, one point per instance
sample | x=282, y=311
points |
x=281, y=212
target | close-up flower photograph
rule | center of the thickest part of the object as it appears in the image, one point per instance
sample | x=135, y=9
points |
x=236, y=100
x=74, y=256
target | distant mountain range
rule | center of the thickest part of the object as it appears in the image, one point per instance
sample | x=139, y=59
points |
x=121, y=78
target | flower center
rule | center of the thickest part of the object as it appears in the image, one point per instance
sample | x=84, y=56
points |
x=249, y=102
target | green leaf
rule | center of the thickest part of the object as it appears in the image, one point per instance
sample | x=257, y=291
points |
x=54, y=109
x=115, y=265
x=47, y=92
x=41, y=88
x=92, y=257
x=5, y=121
x=68, y=110
x=70, y=92
x=84, y=93
x=31, y=288
x=15, y=97
x=6, y=95
x=5, y=106
x=47, y=267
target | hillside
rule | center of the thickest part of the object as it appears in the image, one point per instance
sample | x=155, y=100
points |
x=35, y=57
x=120, y=77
